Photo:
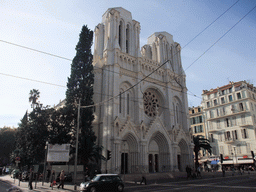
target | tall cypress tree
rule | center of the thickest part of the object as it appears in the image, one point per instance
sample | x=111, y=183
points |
x=80, y=86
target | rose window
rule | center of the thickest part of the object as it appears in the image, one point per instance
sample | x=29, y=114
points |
x=151, y=103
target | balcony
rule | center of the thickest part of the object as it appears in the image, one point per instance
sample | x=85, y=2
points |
x=246, y=124
x=234, y=141
x=228, y=115
x=216, y=130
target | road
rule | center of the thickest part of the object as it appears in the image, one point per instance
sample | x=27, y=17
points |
x=4, y=186
x=221, y=184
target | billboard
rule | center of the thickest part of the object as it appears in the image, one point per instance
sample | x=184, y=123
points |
x=58, y=153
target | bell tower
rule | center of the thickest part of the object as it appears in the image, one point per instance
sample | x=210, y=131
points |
x=117, y=31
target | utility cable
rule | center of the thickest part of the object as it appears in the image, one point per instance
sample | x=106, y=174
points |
x=126, y=89
x=25, y=47
x=221, y=37
x=210, y=24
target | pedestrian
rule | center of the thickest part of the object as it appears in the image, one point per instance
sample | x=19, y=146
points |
x=188, y=170
x=62, y=177
x=223, y=171
x=143, y=179
x=53, y=181
x=31, y=176
x=199, y=172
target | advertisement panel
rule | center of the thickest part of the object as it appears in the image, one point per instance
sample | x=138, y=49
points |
x=58, y=153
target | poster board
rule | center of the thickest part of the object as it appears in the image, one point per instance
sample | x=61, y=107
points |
x=58, y=153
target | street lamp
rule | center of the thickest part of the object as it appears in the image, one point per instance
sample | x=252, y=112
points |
x=235, y=154
x=45, y=158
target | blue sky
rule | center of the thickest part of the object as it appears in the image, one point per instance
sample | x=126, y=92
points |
x=54, y=27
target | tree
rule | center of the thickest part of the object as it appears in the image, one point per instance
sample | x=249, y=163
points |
x=7, y=144
x=37, y=134
x=80, y=87
x=21, y=141
x=199, y=143
x=59, y=133
x=34, y=95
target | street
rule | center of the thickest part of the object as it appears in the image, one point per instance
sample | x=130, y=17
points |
x=4, y=186
x=231, y=183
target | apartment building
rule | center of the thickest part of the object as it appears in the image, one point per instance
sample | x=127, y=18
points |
x=198, y=128
x=230, y=120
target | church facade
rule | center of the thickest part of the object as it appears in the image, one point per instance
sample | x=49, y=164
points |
x=141, y=116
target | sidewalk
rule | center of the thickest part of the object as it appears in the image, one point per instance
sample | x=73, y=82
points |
x=36, y=186
x=129, y=179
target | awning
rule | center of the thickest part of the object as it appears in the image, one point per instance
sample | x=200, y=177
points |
x=245, y=161
x=215, y=162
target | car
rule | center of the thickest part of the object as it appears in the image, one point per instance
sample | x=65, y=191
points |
x=103, y=182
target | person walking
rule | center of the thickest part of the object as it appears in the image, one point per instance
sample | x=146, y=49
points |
x=143, y=179
x=62, y=177
x=31, y=175
x=188, y=170
x=199, y=172
x=53, y=182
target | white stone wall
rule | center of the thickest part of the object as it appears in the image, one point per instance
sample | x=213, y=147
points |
x=122, y=122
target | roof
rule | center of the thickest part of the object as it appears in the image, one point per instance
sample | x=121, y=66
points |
x=236, y=84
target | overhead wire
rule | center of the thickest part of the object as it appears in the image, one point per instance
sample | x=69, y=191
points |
x=221, y=37
x=144, y=79
x=54, y=55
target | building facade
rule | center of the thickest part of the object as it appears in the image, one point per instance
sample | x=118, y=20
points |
x=230, y=113
x=142, y=116
x=198, y=128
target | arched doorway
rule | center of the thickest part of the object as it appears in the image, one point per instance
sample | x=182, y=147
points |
x=182, y=155
x=153, y=151
x=129, y=154
x=158, y=153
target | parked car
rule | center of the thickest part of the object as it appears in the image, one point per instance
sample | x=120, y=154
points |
x=103, y=182
x=15, y=173
x=68, y=177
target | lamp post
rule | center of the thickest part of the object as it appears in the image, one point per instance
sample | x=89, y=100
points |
x=77, y=133
x=235, y=154
x=45, y=158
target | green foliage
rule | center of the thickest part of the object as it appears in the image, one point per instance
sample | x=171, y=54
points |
x=7, y=144
x=80, y=86
x=34, y=95
x=59, y=132
x=200, y=142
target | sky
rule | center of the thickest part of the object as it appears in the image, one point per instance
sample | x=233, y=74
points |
x=224, y=52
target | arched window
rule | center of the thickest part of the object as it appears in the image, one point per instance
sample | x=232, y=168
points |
x=120, y=34
x=174, y=114
x=120, y=103
x=128, y=103
x=177, y=113
x=127, y=38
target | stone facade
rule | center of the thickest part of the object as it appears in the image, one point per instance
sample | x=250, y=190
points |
x=230, y=117
x=141, y=114
x=197, y=122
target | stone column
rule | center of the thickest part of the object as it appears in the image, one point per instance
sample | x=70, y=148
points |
x=174, y=159
x=143, y=154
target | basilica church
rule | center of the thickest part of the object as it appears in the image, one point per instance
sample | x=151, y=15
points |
x=141, y=113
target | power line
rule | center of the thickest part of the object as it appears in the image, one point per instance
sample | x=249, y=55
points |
x=24, y=78
x=126, y=89
x=210, y=24
x=116, y=72
x=35, y=50
x=221, y=37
